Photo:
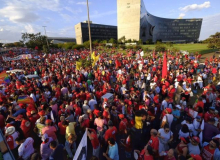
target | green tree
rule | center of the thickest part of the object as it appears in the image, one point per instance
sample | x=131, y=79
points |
x=86, y=44
x=140, y=42
x=149, y=41
x=213, y=40
x=160, y=47
x=32, y=40
x=112, y=40
x=169, y=44
x=122, y=40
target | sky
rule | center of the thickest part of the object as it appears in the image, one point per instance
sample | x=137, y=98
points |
x=60, y=16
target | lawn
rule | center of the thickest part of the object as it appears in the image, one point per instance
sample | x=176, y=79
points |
x=192, y=48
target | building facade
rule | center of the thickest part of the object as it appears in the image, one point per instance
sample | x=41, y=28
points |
x=56, y=40
x=134, y=22
x=98, y=32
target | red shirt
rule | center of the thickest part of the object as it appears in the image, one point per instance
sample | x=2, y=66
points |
x=110, y=133
x=62, y=128
x=26, y=127
x=85, y=123
x=207, y=116
x=123, y=125
x=94, y=141
x=143, y=156
x=207, y=153
x=154, y=143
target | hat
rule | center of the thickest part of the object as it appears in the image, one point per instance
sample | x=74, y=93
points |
x=121, y=116
x=105, y=100
x=212, y=108
x=198, y=117
x=41, y=113
x=169, y=110
x=196, y=139
x=10, y=130
x=110, y=123
x=48, y=121
x=44, y=137
x=178, y=106
x=196, y=157
x=85, y=101
x=183, y=139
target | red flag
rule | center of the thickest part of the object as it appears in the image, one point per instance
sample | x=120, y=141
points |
x=164, y=69
x=117, y=64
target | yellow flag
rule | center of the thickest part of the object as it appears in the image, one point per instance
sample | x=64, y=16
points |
x=78, y=65
x=93, y=55
x=96, y=58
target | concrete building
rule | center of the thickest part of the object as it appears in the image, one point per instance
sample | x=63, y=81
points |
x=134, y=22
x=98, y=32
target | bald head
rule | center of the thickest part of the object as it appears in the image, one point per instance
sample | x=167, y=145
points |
x=153, y=131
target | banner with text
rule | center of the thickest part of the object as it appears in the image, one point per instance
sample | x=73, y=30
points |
x=22, y=56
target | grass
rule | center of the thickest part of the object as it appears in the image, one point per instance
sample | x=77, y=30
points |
x=192, y=48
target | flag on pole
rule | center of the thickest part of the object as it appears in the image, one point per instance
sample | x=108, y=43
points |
x=96, y=58
x=164, y=69
x=81, y=152
x=93, y=55
x=78, y=65
x=4, y=77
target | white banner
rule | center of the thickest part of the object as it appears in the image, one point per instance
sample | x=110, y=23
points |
x=22, y=56
x=81, y=152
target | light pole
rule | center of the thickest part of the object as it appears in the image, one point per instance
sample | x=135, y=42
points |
x=90, y=40
x=46, y=36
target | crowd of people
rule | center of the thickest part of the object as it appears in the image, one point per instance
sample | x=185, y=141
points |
x=145, y=116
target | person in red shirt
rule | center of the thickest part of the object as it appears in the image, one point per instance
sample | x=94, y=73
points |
x=62, y=130
x=208, y=150
x=111, y=132
x=209, y=114
x=146, y=153
x=85, y=122
x=154, y=142
x=94, y=140
x=123, y=124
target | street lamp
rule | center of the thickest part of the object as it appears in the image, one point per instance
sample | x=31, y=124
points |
x=90, y=40
x=46, y=36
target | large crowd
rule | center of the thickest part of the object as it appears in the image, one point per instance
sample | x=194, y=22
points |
x=128, y=110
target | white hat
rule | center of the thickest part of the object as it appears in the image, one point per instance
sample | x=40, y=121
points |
x=10, y=130
x=44, y=137
x=85, y=101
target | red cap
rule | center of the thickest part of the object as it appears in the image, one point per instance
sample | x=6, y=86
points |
x=105, y=100
x=196, y=139
x=121, y=116
x=196, y=157
x=41, y=113
x=183, y=139
x=169, y=110
x=48, y=121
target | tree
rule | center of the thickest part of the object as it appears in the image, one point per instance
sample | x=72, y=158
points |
x=32, y=40
x=213, y=40
x=122, y=39
x=140, y=42
x=112, y=40
x=1, y=44
x=170, y=44
x=86, y=44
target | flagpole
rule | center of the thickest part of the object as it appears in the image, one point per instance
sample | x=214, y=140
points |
x=90, y=40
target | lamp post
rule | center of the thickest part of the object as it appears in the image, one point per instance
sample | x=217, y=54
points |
x=90, y=40
x=46, y=36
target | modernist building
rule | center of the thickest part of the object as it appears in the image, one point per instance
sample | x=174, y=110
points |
x=98, y=32
x=134, y=22
x=56, y=40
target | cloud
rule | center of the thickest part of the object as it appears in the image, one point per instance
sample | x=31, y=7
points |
x=193, y=7
x=82, y=3
x=74, y=11
x=1, y=29
x=210, y=26
x=182, y=15
x=29, y=28
x=99, y=15
x=25, y=11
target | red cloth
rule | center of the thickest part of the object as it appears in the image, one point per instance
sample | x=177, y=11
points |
x=94, y=141
x=164, y=69
x=62, y=129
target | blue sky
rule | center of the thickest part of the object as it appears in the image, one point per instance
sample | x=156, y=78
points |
x=60, y=16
